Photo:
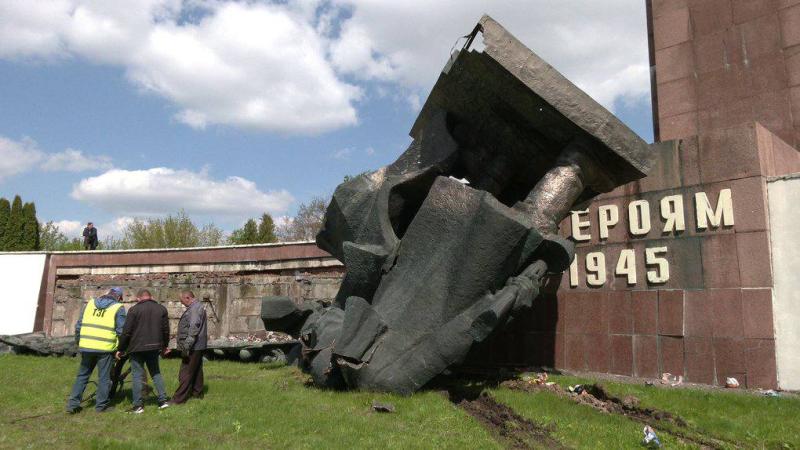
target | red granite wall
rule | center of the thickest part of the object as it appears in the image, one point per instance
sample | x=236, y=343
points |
x=721, y=63
x=712, y=318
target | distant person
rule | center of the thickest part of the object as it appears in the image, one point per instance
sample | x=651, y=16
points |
x=100, y=323
x=146, y=334
x=192, y=341
x=90, y=237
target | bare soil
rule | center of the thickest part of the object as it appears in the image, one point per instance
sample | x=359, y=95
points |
x=507, y=427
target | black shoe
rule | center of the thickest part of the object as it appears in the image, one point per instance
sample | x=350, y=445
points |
x=74, y=410
x=136, y=410
x=106, y=409
x=163, y=405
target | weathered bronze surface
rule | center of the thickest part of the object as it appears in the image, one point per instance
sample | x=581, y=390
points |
x=452, y=240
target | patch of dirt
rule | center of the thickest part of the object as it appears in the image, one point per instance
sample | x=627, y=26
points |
x=505, y=425
x=596, y=396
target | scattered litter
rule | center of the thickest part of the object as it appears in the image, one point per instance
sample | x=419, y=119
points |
x=670, y=379
x=539, y=379
x=770, y=393
x=731, y=383
x=650, y=438
x=577, y=389
x=382, y=407
x=649, y=383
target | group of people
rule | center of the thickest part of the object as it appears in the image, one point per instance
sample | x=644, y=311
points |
x=106, y=336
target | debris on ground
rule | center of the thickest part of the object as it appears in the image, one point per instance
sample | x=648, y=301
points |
x=731, y=383
x=504, y=423
x=538, y=379
x=38, y=344
x=770, y=393
x=577, y=389
x=670, y=379
x=272, y=337
x=382, y=407
x=596, y=396
x=650, y=438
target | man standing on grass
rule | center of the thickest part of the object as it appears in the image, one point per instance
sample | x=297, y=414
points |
x=192, y=341
x=146, y=334
x=100, y=323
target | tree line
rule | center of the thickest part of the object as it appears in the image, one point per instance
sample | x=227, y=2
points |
x=179, y=231
x=19, y=228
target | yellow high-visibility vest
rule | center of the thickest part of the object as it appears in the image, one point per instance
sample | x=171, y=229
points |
x=98, y=330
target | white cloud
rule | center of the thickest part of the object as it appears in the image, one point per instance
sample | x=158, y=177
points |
x=601, y=46
x=22, y=156
x=70, y=228
x=32, y=29
x=342, y=154
x=114, y=228
x=161, y=190
x=18, y=156
x=71, y=160
x=253, y=65
x=283, y=66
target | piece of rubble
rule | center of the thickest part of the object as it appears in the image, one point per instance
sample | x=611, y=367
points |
x=40, y=344
x=731, y=383
x=382, y=407
x=434, y=264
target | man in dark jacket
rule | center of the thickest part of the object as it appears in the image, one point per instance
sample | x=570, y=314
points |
x=192, y=341
x=99, y=325
x=90, y=237
x=146, y=334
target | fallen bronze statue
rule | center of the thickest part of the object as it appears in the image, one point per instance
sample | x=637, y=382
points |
x=452, y=240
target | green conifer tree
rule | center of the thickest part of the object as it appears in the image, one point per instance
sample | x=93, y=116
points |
x=5, y=212
x=14, y=230
x=30, y=227
x=250, y=232
x=266, y=230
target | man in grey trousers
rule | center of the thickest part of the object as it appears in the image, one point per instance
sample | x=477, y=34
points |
x=192, y=342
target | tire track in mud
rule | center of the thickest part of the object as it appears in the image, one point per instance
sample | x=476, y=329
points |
x=505, y=425
x=595, y=396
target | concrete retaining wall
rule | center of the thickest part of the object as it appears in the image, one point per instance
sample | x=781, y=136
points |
x=46, y=291
x=21, y=281
x=784, y=216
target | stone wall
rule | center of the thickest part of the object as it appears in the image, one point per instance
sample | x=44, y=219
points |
x=233, y=301
x=721, y=63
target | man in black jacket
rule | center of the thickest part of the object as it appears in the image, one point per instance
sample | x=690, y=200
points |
x=145, y=335
x=90, y=237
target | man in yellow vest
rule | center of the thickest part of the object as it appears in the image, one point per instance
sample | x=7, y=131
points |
x=100, y=323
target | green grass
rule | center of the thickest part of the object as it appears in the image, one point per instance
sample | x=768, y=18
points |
x=246, y=406
x=746, y=418
x=251, y=406
x=578, y=426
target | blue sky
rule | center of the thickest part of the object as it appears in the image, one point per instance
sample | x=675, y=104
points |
x=107, y=114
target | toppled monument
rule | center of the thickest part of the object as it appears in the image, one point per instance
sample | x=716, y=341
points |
x=452, y=240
